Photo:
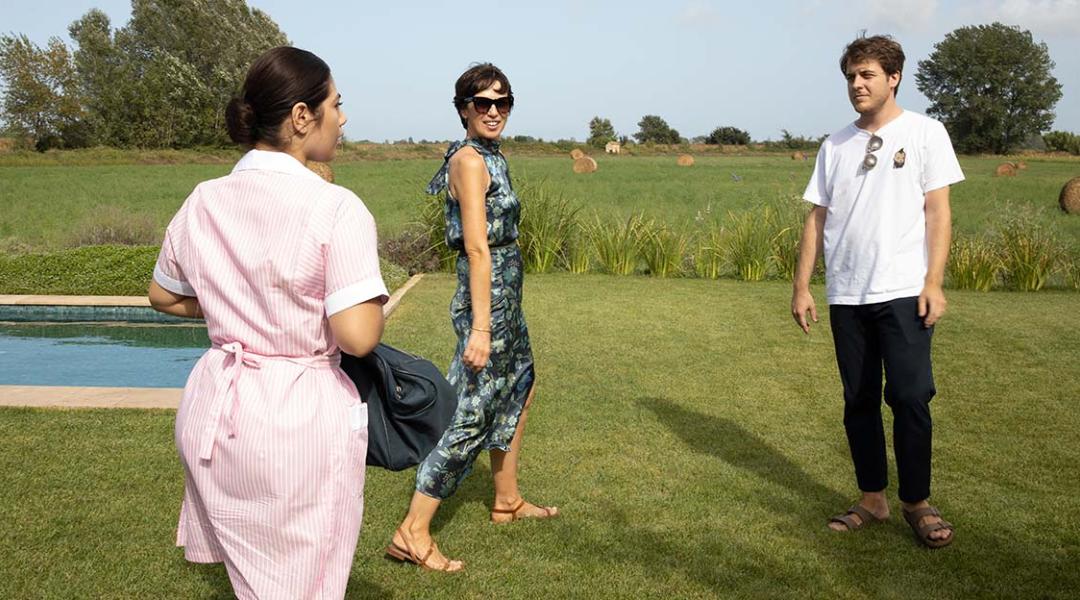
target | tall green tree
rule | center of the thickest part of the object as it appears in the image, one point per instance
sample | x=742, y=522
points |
x=728, y=135
x=600, y=132
x=991, y=86
x=164, y=79
x=41, y=96
x=652, y=128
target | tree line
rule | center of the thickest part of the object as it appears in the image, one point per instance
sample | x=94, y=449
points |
x=162, y=80
x=991, y=85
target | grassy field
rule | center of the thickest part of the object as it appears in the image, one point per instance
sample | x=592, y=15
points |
x=46, y=207
x=689, y=433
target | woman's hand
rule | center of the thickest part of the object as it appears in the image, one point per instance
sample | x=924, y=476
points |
x=477, y=350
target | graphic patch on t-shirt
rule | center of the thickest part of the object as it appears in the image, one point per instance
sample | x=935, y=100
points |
x=898, y=159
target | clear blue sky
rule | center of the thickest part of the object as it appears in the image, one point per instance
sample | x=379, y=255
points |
x=762, y=66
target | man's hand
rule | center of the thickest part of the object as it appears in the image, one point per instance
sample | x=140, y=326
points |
x=931, y=304
x=801, y=303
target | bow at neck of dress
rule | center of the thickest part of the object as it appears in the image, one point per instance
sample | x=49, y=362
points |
x=441, y=180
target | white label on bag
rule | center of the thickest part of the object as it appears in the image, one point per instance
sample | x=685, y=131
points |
x=358, y=416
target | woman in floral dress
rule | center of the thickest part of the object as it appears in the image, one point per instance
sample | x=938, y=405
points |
x=492, y=367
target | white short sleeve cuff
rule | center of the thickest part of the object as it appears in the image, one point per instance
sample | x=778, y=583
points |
x=173, y=285
x=356, y=293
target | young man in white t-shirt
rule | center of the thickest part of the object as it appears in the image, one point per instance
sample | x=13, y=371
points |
x=880, y=191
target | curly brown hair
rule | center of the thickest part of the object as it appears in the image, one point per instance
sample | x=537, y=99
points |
x=882, y=48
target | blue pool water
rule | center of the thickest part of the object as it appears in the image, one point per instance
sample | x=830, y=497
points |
x=99, y=355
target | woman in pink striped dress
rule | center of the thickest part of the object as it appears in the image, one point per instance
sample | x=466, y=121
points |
x=283, y=266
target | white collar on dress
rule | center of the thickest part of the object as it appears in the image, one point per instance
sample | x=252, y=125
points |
x=266, y=160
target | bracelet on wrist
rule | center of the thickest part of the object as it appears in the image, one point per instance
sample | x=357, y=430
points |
x=478, y=329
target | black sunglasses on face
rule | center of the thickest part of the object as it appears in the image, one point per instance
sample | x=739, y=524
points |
x=483, y=105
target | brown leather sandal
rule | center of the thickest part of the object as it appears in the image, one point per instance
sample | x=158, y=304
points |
x=548, y=512
x=406, y=554
x=922, y=532
x=866, y=518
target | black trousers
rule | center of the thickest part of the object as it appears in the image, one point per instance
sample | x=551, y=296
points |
x=891, y=335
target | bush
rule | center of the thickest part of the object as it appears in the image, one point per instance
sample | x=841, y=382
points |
x=411, y=250
x=103, y=271
x=112, y=225
x=974, y=263
x=1062, y=141
x=728, y=135
x=89, y=270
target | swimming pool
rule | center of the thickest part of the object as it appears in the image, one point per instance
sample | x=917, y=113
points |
x=99, y=355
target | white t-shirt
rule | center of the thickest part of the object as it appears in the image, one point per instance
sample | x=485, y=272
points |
x=875, y=228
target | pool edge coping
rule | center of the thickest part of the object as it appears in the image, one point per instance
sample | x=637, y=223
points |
x=75, y=397
x=144, y=302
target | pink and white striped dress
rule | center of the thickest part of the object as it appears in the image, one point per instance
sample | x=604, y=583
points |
x=272, y=435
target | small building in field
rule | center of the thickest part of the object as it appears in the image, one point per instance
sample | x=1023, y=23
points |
x=613, y=148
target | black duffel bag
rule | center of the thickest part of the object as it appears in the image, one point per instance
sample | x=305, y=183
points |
x=410, y=405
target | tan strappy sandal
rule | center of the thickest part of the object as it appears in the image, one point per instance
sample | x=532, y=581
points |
x=514, y=516
x=922, y=532
x=406, y=554
x=866, y=518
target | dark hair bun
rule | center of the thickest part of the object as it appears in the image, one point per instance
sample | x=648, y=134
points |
x=240, y=120
x=279, y=79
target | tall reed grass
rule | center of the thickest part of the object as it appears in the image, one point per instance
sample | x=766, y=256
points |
x=749, y=246
x=790, y=212
x=617, y=246
x=974, y=263
x=710, y=250
x=549, y=223
x=663, y=249
x=576, y=256
x=1071, y=269
x=1030, y=253
x=433, y=224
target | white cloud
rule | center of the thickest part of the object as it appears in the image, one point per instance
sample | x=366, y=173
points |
x=1043, y=16
x=698, y=12
x=905, y=15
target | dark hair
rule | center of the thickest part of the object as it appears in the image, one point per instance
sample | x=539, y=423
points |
x=478, y=78
x=881, y=48
x=278, y=80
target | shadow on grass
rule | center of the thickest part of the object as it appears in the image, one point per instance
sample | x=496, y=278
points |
x=728, y=441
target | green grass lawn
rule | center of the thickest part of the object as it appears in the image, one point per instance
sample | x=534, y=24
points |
x=44, y=207
x=690, y=434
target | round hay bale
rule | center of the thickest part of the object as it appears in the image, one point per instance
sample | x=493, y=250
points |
x=1069, y=200
x=576, y=153
x=584, y=164
x=798, y=156
x=1005, y=170
x=321, y=169
x=685, y=160
x=1021, y=166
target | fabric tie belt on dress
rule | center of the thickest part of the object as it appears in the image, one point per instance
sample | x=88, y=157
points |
x=498, y=248
x=244, y=358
